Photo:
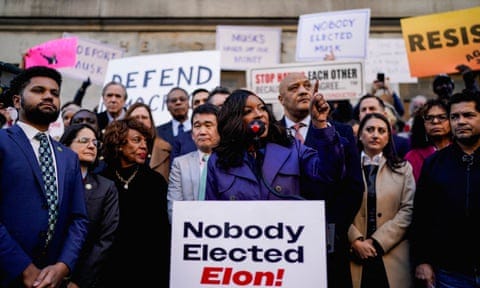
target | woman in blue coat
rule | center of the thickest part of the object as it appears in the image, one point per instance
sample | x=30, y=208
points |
x=257, y=159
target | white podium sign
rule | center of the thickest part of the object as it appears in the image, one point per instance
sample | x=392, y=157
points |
x=248, y=244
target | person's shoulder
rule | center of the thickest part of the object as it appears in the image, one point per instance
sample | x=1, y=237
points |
x=189, y=155
x=64, y=149
x=166, y=124
x=103, y=180
x=446, y=154
x=150, y=173
x=162, y=144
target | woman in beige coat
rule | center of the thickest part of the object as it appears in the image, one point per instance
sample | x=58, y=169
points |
x=380, y=250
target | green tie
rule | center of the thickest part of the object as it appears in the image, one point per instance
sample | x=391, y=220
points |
x=203, y=178
x=50, y=182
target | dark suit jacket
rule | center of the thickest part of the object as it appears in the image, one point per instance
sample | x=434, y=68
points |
x=23, y=207
x=402, y=145
x=102, y=120
x=101, y=197
x=183, y=144
x=342, y=202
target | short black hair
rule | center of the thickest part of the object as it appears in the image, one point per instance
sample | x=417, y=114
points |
x=20, y=81
x=198, y=90
x=206, y=108
x=219, y=89
x=465, y=96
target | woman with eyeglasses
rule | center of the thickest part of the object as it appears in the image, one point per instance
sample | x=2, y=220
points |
x=101, y=198
x=144, y=230
x=430, y=132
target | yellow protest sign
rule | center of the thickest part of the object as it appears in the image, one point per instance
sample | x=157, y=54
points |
x=437, y=43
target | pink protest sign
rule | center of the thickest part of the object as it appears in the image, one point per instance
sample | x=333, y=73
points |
x=54, y=54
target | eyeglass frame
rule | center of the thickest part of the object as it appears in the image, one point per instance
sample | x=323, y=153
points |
x=85, y=140
x=440, y=117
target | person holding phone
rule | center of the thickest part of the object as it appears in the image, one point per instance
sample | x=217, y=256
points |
x=382, y=89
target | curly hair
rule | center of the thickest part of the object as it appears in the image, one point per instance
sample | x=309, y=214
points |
x=115, y=136
x=21, y=81
x=234, y=139
x=393, y=161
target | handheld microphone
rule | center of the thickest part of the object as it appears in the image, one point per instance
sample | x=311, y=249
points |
x=256, y=128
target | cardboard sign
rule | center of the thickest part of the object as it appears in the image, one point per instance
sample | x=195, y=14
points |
x=244, y=47
x=437, y=43
x=337, y=80
x=341, y=33
x=252, y=244
x=55, y=54
x=388, y=56
x=92, y=60
x=149, y=78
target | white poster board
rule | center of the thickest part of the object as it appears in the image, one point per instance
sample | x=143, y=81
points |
x=248, y=244
x=343, y=33
x=149, y=78
x=388, y=56
x=338, y=80
x=92, y=60
x=244, y=47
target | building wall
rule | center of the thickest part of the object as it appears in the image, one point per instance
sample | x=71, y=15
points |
x=161, y=26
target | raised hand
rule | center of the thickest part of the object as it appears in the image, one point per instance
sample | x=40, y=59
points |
x=319, y=108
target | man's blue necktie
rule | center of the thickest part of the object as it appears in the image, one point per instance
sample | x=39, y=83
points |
x=50, y=182
x=180, y=129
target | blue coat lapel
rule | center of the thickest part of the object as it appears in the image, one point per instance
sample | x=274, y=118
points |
x=19, y=137
x=275, y=158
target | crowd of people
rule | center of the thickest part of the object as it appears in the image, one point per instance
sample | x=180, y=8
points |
x=401, y=197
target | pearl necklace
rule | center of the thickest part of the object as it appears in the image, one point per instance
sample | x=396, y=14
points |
x=126, y=182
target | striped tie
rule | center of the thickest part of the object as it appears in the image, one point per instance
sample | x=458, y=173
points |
x=298, y=134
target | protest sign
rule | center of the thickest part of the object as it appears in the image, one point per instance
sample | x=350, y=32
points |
x=92, y=60
x=149, y=78
x=437, y=43
x=252, y=244
x=388, y=56
x=244, y=47
x=55, y=54
x=341, y=33
x=338, y=80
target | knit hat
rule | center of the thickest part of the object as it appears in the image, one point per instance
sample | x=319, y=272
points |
x=443, y=79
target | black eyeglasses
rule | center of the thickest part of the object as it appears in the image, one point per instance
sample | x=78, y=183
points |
x=439, y=117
